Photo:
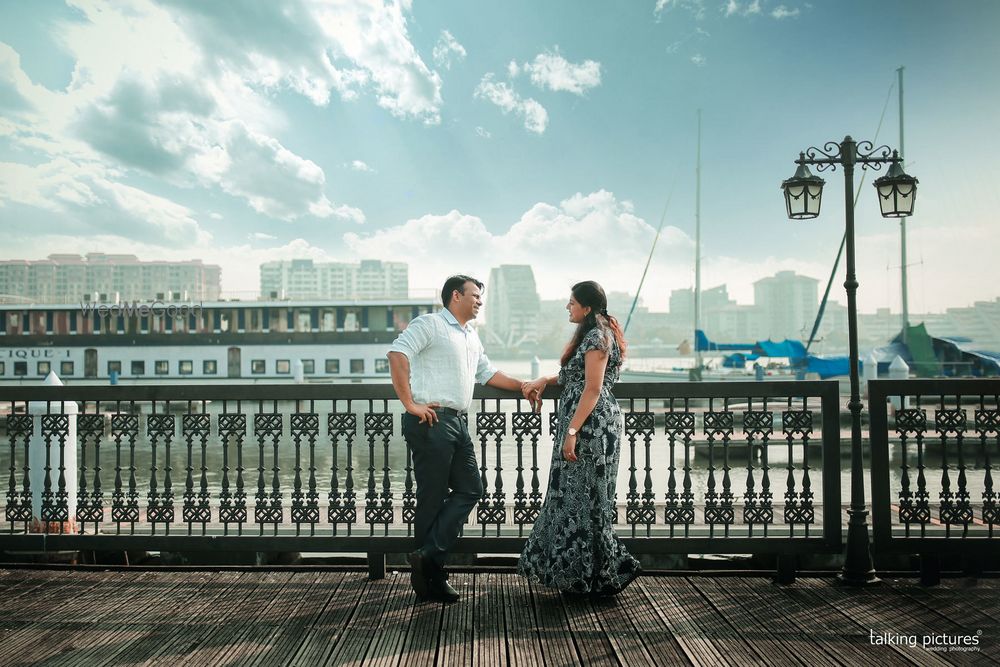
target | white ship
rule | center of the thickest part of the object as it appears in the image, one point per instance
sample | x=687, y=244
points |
x=98, y=343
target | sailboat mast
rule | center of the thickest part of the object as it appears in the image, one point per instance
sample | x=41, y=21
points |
x=697, y=247
x=902, y=221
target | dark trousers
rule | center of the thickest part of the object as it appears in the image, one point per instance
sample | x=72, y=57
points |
x=448, y=481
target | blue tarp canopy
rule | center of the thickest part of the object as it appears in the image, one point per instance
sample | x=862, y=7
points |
x=737, y=360
x=703, y=344
x=828, y=367
x=792, y=349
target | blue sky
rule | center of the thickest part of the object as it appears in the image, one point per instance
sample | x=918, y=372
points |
x=458, y=136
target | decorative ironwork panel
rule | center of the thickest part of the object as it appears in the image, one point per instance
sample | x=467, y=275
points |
x=342, y=505
x=196, y=507
x=90, y=504
x=125, y=499
x=305, y=505
x=378, y=505
x=55, y=503
x=988, y=422
x=639, y=422
x=20, y=428
x=160, y=506
x=492, y=508
x=679, y=423
x=526, y=426
x=950, y=421
x=797, y=422
x=758, y=423
x=719, y=423
x=911, y=421
x=268, y=506
x=232, y=503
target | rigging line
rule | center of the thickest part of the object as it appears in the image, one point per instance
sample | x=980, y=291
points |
x=663, y=219
x=843, y=240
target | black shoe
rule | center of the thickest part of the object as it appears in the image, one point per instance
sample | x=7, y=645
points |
x=419, y=569
x=441, y=590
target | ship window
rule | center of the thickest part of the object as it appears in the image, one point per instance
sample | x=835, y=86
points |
x=65, y=368
x=20, y=368
x=333, y=365
x=309, y=366
x=138, y=368
x=282, y=366
x=185, y=367
x=210, y=367
x=162, y=367
x=44, y=367
x=257, y=367
x=357, y=365
x=3, y=368
x=114, y=367
x=381, y=365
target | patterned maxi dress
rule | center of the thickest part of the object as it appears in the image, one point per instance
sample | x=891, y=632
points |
x=573, y=546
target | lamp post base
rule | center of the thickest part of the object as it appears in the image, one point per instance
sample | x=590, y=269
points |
x=859, y=570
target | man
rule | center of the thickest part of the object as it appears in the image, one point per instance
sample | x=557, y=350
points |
x=434, y=364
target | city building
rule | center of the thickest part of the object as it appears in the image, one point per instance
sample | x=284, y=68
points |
x=69, y=278
x=305, y=279
x=787, y=303
x=512, y=307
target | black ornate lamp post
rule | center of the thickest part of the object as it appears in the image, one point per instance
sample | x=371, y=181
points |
x=896, y=192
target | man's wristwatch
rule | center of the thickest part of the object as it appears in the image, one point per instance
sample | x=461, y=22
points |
x=572, y=431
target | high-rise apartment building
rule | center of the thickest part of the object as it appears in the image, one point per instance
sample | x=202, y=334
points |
x=512, y=306
x=787, y=303
x=98, y=276
x=305, y=279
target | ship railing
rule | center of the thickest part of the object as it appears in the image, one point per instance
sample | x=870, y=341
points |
x=705, y=468
x=934, y=445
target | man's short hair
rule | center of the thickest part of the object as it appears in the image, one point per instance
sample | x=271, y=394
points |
x=456, y=283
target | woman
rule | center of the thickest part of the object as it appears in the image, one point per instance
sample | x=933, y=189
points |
x=573, y=546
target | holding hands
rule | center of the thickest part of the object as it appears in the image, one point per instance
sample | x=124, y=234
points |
x=533, y=392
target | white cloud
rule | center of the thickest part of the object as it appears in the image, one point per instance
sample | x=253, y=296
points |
x=550, y=70
x=483, y=132
x=534, y=115
x=782, y=12
x=735, y=8
x=513, y=69
x=695, y=7
x=85, y=196
x=447, y=47
x=358, y=165
x=261, y=236
x=698, y=60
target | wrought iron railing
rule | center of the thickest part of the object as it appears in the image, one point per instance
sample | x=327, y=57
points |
x=727, y=467
x=934, y=447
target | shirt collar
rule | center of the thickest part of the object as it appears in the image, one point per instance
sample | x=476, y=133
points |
x=451, y=319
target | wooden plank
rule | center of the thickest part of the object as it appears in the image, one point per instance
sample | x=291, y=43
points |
x=626, y=642
x=455, y=646
x=558, y=647
x=359, y=630
x=420, y=648
x=660, y=643
x=320, y=637
x=489, y=642
x=295, y=610
x=591, y=642
x=112, y=628
x=394, y=623
x=704, y=635
x=758, y=623
x=982, y=595
x=524, y=645
x=843, y=642
x=862, y=606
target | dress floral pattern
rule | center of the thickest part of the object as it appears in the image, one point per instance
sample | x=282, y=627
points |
x=573, y=546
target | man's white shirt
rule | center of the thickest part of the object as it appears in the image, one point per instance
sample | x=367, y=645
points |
x=446, y=360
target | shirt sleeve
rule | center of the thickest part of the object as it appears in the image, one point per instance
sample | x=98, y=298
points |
x=414, y=338
x=484, y=369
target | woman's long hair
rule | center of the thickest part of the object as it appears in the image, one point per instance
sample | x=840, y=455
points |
x=589, y=293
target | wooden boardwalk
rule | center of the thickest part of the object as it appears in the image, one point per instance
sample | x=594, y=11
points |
x=253, y=617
